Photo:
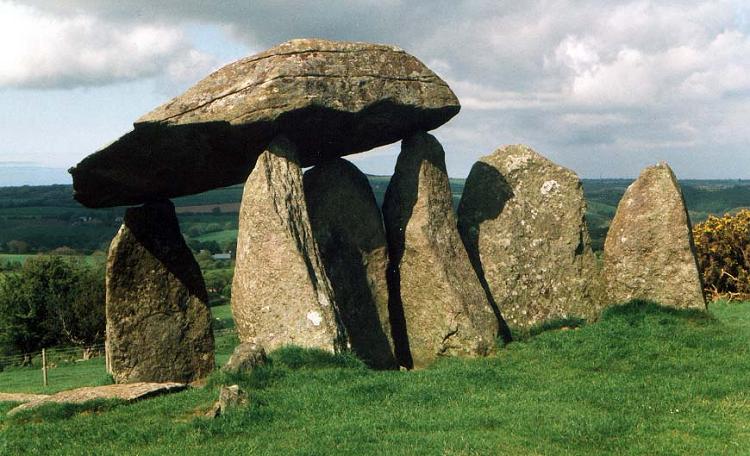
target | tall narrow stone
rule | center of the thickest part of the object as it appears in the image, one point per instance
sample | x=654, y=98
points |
x=280, y=293
x=348, y=227
x=158, y=321
x=523, y=221
x=649, y=251
x=438, y=306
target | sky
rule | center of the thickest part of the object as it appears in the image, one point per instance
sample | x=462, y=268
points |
x=602, y=87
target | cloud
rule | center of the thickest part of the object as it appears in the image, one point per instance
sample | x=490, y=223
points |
x=39, y=49
x=595, y=84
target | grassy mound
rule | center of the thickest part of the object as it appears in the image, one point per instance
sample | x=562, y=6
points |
x=642, y=380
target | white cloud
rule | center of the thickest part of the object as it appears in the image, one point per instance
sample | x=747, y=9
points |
x=45, y=50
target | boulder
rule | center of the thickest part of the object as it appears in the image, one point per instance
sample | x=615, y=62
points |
x=245, y=357
x=331, y=98
x=523, y=221
x=438, y=306
x=129, y=393
x=280, y=293
x=158, y=321
x=348, y=228
x=649, y=251
x=230, y=397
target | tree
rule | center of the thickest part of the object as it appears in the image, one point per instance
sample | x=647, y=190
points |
x=49, y=301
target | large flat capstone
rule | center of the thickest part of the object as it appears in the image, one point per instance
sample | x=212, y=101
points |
x=330, y=98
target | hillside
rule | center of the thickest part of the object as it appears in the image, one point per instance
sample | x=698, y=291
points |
x=44, y=218
x=643, y=380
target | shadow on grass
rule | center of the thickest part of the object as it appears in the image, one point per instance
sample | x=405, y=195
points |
x=283, y=360
x=56, y=412
x=555, y=324
x=636, y=311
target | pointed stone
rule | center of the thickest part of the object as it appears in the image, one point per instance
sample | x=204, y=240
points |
x=158, y=321
x=445, y=310
x=523, y=221
x=280, y=293
x=348, y=228
x=649, y=251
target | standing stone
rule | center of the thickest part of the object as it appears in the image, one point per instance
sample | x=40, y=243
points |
x=649, y=251
x=523, y=221
x=280, y=293
x=445, y=310
x=158, y=321
x=348, y=228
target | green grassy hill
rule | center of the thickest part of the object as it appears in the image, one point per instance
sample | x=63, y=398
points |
x=643, y=380
x=46, y=217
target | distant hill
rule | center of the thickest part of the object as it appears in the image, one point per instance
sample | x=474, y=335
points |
x=47, y=217
x=14, y=175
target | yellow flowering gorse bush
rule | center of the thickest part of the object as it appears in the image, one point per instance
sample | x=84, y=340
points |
x=723, y=250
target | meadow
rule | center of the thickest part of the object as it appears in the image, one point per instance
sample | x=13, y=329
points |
x=642, y=380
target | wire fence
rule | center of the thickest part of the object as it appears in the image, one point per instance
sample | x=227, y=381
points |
x=60, y=368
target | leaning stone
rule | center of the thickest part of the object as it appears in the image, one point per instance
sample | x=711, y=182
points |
x=129, y=393
x=280, y=293
x=649, y=251
x=230, y=397
x=246, y=357
x=348, y=228
x=331, y=98
x=445, y=310
x=523, y=221
x=158, y=322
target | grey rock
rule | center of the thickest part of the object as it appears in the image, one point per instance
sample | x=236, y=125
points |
x=230, y=397
x=246, y=357
x=280, y=292
x=331, y=98
x=649, y=251
x=523, y=221
x=444, y=309
x=158, y=321
x=348, y=228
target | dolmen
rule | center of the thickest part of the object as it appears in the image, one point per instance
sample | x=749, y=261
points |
x=313, y=262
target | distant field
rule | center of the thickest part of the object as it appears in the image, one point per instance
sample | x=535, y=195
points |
x=219, y=236
x=208, y=208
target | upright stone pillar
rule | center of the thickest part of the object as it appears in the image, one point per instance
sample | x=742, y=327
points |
x=158, y=321
x=523, y=221
x=438, y=305
x=348, y=228
x=649, y=251
x=280, y=293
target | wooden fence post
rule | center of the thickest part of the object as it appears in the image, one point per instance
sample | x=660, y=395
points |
x=44, y=366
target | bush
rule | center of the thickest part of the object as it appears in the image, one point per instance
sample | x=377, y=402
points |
x=723, y=251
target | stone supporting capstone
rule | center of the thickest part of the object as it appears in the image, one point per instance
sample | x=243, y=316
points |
x=158, y=321
x=348, y=228
x=280, y=292
x=438, y=307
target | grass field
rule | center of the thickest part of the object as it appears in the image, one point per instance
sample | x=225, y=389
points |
x=643, y=380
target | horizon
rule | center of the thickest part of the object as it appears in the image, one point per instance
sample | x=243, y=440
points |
x=602, y=88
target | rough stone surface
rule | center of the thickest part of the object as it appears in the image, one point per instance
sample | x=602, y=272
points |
x=158, y=322
x=348, y=228
x=649, y=251
x=280, y=293
x=130, y=393
x=246, y=357
x=523, y=221
x=229, y=397
x=444, y=308
x=21, y=397
x=330, y=98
